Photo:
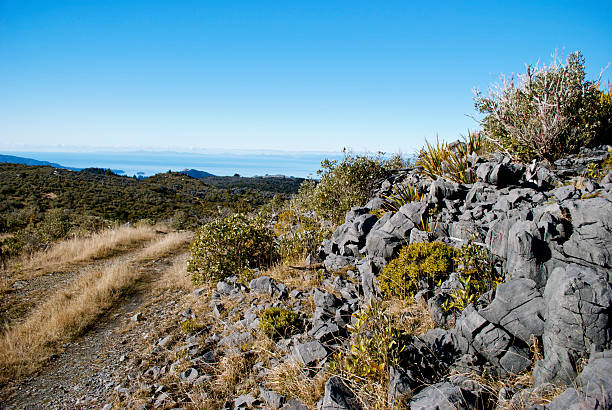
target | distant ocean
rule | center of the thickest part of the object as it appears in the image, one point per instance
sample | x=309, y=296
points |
x=300, y=164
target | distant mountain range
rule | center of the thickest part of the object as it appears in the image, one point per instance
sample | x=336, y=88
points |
x=194, y=173
x=30, y=161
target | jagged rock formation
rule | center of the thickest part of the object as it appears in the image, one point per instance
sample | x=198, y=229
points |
x=550, y=230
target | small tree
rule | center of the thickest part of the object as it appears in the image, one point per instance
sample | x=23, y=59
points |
x=550, y=111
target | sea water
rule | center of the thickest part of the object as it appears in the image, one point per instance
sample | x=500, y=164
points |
x=144, y=163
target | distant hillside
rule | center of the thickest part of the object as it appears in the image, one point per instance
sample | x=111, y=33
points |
x=194, y=173
x=11, y=159
x=26, y=189
x=28, y=161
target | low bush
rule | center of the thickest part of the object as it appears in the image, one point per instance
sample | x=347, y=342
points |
x=343, y=185
x=189, y=326
x=418, y=266
x=279, y=322
x=477, y=275
x=229, y=246
x=549, y=112
x=299, y=234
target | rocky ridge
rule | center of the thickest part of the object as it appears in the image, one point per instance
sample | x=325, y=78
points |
x=550, y=231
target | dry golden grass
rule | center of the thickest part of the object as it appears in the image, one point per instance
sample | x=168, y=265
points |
x=165, y=245
x=70, y=310
x=411, y=316
x=62, y=317
x=293, y=379
x=97, y=246
x=176, y=277
x=302, y=280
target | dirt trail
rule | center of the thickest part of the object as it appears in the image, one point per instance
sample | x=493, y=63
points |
x=89, y=371
x=27, y=290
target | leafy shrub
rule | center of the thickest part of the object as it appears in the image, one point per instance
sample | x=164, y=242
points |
x=299, y=234
x=418, y=265
x=442, y=161
x=376, y=344
x=477, y=275
x=230, y=245
x=279, y=322
x=599, y=170
x=189, y=326
x=343, y=185
x=551, y=111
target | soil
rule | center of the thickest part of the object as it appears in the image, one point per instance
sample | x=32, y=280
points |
x=90, y=371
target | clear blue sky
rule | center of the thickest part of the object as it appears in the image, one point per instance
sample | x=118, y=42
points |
x=311, y=75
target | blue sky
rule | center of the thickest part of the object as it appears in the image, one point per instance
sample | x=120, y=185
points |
x=284, y=75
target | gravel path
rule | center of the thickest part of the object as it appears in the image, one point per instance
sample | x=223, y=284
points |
x=90, y=370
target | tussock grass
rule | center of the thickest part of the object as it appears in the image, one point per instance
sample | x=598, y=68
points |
x=97, y=246
x=68, y=312
x=293, y=379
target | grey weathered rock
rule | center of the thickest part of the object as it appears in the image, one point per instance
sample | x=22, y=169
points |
x=272, y=398
x=189, y=376
x=265, y=284
x=294, y=404
x=338, y=396
x=518, y=308
x=401, y=384
x=578, y=305
x=540, y=176
x=593, y=388
x=325, y=330
x=367, y=271
x=417, y=236
x=382, y=244
x=244, y=401
x=592, y=229
x=444, y=396
x=526, y=253
x=236, y=339
x=441, y=189
x=335, y=262
x=309, y=353
x=504, y=174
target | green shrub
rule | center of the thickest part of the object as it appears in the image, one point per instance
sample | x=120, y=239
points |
x=229, y=246
x=189, y=326
x=299, y=234
x=279, y=322
x=376, y=344
x=477, y=275
x=342, y=185
x=415, y=264
x=551, y=111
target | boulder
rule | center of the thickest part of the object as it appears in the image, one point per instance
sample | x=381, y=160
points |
x=309, y=353
x=578, y=303
x=460, y=394
x=338, y=396
x=518, y=308
x=382, y=244
x=526, y=253
x=593, y=388
x=591, y=221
